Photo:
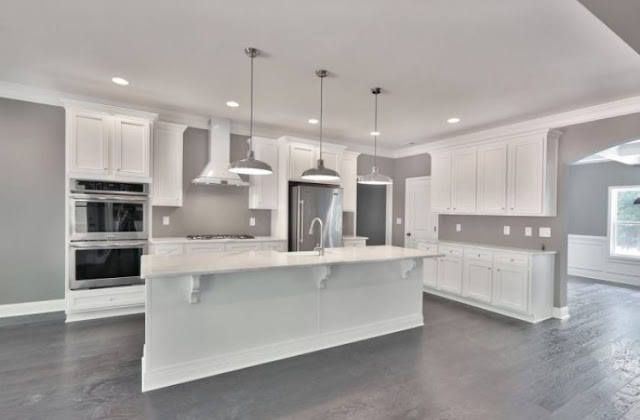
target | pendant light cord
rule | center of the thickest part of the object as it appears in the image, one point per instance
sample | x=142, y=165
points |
x=321, y=90
x=375, y=129
x=251, y=118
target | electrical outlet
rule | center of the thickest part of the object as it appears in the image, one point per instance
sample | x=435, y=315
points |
x=458, y=227
x=399, y=221
x=252, y=221
x=545, y=232
x=166, y=220
x=528, y=231
x=507, y=230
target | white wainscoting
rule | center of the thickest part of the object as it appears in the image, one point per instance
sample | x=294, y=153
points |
x=31, y=308
x=588, y=256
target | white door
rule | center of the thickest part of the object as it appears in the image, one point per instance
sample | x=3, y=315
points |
x=263, y=190
x=450, y=274
x=420, y=222
x=301, y=158
x=131, y=147
x=492, y=179
x=526, y=162
x=511, y=288
x=441, y=182
x=463, y=181
x=478, y=280
x=89, y=143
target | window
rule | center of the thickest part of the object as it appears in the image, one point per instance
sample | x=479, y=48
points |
x=624, y=222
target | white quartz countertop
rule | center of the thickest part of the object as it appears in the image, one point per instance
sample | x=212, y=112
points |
x=354, y=237
x=488, y=247
x=155, y=266
x=183, y=240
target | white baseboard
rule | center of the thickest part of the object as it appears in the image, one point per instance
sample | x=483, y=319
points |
x=31, y=308
x=561, y=313
x=210, y=366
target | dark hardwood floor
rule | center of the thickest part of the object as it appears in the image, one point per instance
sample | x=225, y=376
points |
x=464, y=364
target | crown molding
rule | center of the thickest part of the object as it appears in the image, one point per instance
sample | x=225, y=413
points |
x=578, y=116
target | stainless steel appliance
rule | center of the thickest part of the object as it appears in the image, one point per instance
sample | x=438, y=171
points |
x=306, y=202
x=95, y=264
x=108, y=210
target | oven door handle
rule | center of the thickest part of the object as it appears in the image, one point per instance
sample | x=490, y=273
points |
x=110, y=244
x=118, y=198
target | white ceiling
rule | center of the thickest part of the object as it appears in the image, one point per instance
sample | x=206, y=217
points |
x=489, y=62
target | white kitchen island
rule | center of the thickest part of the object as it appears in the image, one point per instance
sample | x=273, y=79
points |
x=210, y=313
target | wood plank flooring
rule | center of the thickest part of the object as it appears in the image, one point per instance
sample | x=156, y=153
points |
x=464, y=364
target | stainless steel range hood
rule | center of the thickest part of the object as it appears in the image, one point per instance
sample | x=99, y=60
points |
x=216, y=170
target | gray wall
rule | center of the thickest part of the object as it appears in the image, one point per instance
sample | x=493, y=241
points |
x=372, y=222
x=399, y=170
x=577, y=142
x=589, y=194
x=32, y=210
x=210, y=208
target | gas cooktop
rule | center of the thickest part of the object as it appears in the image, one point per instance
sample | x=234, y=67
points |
x=219, y=236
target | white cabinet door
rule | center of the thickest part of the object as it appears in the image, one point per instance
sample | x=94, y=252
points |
x=263, y=190
x=167, y=164
x=478, y=280
x=463, y=181
x=131, y=147
x=511, y=288
x=492, y=179
x=526, y=169
x=450, y=274
x=349, y=177
x=89, y=143
x=441, y=182
x=429, y=265
x=301, y=158
x=332, y=159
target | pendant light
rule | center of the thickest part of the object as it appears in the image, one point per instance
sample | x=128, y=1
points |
x=249, y=165
x=320, y=173
x=375, y=177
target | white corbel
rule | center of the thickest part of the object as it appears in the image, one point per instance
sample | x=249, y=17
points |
x=194, y=289
x=406, y=267
x=321, y=283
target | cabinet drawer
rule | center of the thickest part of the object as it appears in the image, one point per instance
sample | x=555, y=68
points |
x=86, y=300
x=477, y=254
x=511, y=259
x=167, y=249
x=253, y=246
x=454, y=251
x=275, y=246
x=355, y=243
x=204, y=247
x=427, y=246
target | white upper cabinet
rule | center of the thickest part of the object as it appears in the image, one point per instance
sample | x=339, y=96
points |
x=508, y=177
x=263, y=190
x=492, y=179
x=168, y=142
x=463, y=180
x=301, y=158
x=349, y=177
x=108, y=143
x=88, y=143
x=332, y=159
x=441, y=182
x=131, y=142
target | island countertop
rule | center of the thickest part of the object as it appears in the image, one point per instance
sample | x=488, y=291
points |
x=156, y=266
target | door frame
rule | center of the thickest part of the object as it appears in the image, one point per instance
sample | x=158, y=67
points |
x=389, y=222
x=406, y=182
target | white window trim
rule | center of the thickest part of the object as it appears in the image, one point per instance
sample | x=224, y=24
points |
x=610, y=230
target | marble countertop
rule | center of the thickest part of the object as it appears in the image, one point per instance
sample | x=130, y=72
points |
x=488, y=247
x=156, y=266
x=183, y=240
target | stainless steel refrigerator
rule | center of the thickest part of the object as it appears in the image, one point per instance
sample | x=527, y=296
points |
x=307, y=202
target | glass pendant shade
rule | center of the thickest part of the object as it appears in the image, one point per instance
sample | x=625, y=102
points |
x=375, y=178
x=320, y=173
x=249, y=165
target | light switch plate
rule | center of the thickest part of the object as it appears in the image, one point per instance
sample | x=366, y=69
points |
x=399, y=221
x=252, y=221
x=528, y=231
x=458, y=227
x=545, y=232
x=507, y=230
x=166, y=220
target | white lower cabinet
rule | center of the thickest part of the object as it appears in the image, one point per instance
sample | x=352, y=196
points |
x=243, y=246
x=516, y=283
x=204, y=247
x=176, y=248
x=511, y=287
x=354, y=242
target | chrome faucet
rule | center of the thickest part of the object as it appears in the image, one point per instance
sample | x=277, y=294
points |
x=319, y=247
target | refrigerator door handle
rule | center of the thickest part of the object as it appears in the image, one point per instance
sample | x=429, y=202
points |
x=300, y=220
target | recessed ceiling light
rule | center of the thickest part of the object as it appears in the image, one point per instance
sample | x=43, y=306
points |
x=375, y=133
x=233, y=104
x=453, y=120
x=313, y=121
x=120, y=81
